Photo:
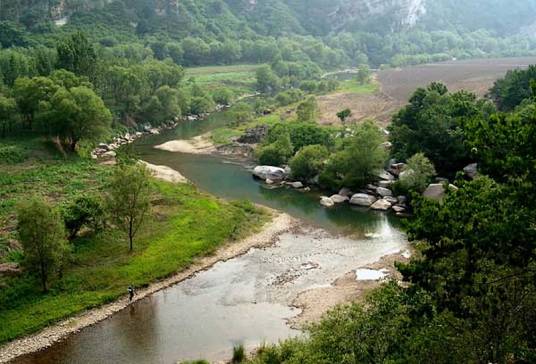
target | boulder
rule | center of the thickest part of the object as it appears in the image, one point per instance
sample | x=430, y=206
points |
x=385, y=184
x=254, y=135
x=109, y=155
x=268, y=181
x=372, y=187
x=386, y=176
x=391, y=199
x=471, y=170
x=397, y=168
x=103, y=146
x=435, y=191
x=402, y=199
x=384, y=192
x=339, y=198
x=269, y=172
x=345, y=192
x=326, y=201
x=296, y=185
x=453, y=188
x=362, y=199
x=381, y=205
x=399, y=209
x=9, y=269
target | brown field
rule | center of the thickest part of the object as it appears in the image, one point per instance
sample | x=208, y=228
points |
x=397, y=85
x=473, y=75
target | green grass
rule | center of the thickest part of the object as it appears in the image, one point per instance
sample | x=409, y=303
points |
x=101, y=267
x=239, y=78
x=352, y=86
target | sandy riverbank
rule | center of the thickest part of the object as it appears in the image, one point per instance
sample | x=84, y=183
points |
x=199, y=145
x=165, y=173
x=269, y=234
x=316, y=302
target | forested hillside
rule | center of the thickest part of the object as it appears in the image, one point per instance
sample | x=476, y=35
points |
x=345, y=32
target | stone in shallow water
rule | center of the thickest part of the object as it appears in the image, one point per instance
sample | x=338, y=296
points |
x=326, y=201
x=339, y=198
x=381, y=205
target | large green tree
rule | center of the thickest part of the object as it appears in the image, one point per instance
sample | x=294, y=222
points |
x=128, y=199
x=42, y=234
x=77, y=54
x=75, y=114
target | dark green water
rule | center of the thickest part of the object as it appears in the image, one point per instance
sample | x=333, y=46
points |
x=231, y=179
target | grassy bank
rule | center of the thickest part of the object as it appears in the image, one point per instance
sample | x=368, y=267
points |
x=239, y=78
x=101, y=267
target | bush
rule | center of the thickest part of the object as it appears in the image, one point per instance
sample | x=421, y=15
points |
x=239, y=354
x=276, y=153
x=308, y=162
x=85, y=211
x=12, y=154
x=417, y=174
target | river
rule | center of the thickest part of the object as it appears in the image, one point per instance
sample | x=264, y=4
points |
x=245, y=300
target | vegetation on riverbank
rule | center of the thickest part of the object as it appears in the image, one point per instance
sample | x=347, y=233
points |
x=469, y=293
x=100, y=267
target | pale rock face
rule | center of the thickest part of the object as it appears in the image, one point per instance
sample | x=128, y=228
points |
x=362, y=199
x=327, y=202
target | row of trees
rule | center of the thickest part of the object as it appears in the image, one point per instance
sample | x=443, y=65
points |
x=45, y=231
x=73, y=93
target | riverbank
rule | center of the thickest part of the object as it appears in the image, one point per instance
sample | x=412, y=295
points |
x=351, y=287
x=279, y=224
x=198, y=145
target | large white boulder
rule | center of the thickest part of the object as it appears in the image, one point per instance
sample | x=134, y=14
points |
x=269, y=172
x=362, y=199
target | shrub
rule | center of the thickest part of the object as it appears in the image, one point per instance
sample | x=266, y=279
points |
x=309, y=162
x=83, y=211
x=12, y=154
x=417, y=174
x=239, y=354
x=276, y=153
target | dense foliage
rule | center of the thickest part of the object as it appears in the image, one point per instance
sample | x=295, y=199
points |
x=470, y=292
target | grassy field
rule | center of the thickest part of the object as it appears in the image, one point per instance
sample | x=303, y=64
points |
x=100, y=266
x=240, y=78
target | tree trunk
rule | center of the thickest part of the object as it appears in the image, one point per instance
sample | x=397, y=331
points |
x=44, y=278
x=130, y=237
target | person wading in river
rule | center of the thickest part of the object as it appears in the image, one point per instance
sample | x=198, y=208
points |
x=130, y=293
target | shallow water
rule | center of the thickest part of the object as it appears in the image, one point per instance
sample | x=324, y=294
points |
x=244, y=300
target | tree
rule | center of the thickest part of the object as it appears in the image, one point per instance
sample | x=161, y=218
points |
x=78, y=55
x=86, y=211
x=308, y=110
x=8, y=114
x=308, y=162
x=74, y=115
x=357, y=160
x=363, y=74
x=417, y=174
x=42, y=236
x=30, y=92
x=344, y=114
x=278, y=152
x=432, y=124
x=128, y=198
x=267, y=80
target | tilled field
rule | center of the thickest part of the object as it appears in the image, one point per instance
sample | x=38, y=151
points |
x=471, y=75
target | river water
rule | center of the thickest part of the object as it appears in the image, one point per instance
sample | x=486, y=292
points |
x=244, y=300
